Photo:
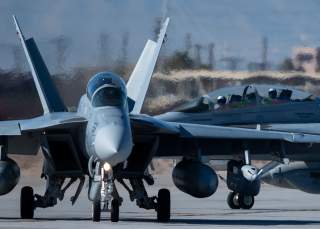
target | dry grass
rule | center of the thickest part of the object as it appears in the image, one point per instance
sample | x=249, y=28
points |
x=234, y=75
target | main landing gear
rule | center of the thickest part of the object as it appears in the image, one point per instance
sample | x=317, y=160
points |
x=54, y=192
x=161, y=203
x=243, y=181
x=26, y=203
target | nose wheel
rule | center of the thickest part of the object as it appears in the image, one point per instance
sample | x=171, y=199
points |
x=96, y=210
x=114, y=214
x=114, y=211
x=26, y=203
x=163, y=205
x=238, y=200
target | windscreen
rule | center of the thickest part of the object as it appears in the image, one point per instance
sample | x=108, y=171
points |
x=108, y=96
x=97, y=81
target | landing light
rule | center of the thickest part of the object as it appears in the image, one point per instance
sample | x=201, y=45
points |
x=106, y=167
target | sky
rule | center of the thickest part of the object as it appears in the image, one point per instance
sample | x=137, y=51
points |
x=236, y=27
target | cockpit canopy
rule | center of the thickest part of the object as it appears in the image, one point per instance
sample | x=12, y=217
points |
x=106, y=89
x=243, y=97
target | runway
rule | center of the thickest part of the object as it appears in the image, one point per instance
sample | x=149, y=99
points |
x=274, y=207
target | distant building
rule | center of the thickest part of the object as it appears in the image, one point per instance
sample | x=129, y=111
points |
x=305, y=59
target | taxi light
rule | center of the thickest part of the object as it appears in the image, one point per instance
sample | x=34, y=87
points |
x=106, y=167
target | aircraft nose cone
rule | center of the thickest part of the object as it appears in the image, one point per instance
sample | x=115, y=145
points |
x=110, y=144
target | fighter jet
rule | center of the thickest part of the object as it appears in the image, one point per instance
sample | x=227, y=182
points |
x=108, y=139
x=269, y=107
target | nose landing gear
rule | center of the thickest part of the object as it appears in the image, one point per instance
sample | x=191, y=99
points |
x=114, y=214
x=104, y=195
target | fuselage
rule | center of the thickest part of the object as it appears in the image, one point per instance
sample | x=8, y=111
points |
x=285, y=112
x=108, y=135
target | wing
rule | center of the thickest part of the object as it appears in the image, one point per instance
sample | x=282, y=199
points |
x=181, y=139
x=58, y=120
x=139, y=80
x=150, y=125
x=309, y=128
x=26, y=136
x=42, y=123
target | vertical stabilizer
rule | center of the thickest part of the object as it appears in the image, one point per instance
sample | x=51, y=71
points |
x=49, y=96
x=139, y=80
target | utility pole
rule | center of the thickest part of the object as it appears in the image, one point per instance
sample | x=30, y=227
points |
x=124, y=48
x=17, y=58
x=62, y=44
x=232, y=62
x=104, y=52
x=211, y=59
x=264, y=58
x=198, y=48
x=188, y=43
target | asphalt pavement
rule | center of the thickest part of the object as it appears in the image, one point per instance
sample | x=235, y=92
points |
x=274, y=207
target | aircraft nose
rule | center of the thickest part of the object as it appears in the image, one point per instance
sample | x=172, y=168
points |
x=111, y=144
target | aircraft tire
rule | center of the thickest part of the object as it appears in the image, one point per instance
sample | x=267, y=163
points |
x=114, y=215
x=232, y=200
x=26, y=203
x=96, y=210
x=163, y=207
x=246, y=202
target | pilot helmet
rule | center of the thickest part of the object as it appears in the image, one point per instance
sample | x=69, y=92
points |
x=272, y=93
x=221, y=100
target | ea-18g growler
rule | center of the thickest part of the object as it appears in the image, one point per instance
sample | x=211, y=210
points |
x=109, y=140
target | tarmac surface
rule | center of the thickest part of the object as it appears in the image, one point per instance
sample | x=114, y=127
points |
x=275, y=207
